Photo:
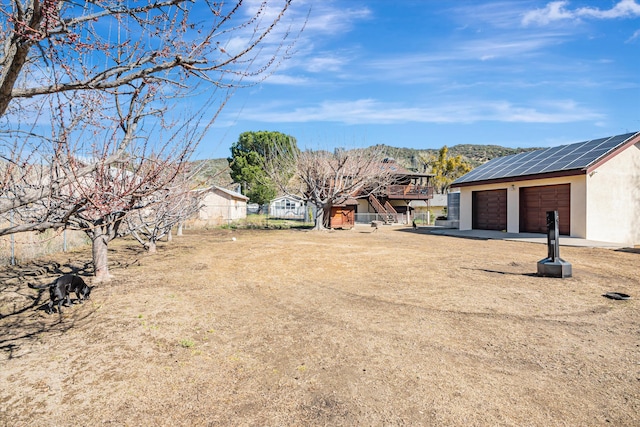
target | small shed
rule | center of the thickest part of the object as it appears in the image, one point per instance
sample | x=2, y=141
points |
x=343, y=213
x=222, y=206
x=594, y=186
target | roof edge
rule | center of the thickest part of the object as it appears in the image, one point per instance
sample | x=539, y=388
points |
x=230, y=193
x=558, y=174
x=633, y=140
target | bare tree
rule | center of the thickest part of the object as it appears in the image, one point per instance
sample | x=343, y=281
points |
x=82, y=143
x=149, y=152
x=166, y=208
x=113, y=193
x=61, y=43
x=62, y=61
x=325, y=178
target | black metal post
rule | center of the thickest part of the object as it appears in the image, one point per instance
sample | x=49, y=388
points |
x=553, y=265
x=553, y=232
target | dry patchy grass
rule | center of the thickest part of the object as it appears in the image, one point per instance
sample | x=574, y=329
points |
x=393, y=327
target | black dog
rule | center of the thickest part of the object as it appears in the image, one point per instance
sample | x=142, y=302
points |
x=60, y=289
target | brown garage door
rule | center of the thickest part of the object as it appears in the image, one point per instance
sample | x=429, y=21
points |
x=536, y=201
x=489, y=210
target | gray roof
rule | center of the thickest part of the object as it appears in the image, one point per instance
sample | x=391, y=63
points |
x=563, y=159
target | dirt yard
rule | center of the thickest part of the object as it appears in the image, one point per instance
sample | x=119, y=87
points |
x=342, y=328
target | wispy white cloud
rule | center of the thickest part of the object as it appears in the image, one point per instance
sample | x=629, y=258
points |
x=298, y=30
x=634, y=36
x=624, y=9
x=490, y=47
x=330, y=18
x=347, y=63
x=496, y=14
x=559, y=11
x=506, y=46
x=323, y=22
x=371, y=111
x=325, y=17
x=324, y=63
x=276, y=43
x=461, y=60
x=288, y=80
x=554, y=11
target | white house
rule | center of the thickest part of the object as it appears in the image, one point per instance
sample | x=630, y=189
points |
x=222, y=206
x=290, y=207
x=594, y=185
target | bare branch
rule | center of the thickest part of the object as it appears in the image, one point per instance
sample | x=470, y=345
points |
x=326, y=178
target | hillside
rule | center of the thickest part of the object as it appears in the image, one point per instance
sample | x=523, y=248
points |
x=211, y=172
x=474, y=154
x=216, y=171
x=479, y=154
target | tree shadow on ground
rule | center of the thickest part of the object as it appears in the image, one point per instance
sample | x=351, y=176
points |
x=14, y=281
x=17, y=331
x=21, y=307
x=22, y=320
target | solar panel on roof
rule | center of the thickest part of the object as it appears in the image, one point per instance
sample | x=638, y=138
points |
x=554, y=159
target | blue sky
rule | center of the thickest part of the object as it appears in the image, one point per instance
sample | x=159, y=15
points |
x=428, y=73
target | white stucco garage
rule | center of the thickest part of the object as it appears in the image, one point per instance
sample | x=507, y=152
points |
x=594, y=185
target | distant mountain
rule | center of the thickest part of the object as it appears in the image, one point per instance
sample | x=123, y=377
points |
x=474, y=154
x=216, y=171
x=211, y=172
x=479, y=154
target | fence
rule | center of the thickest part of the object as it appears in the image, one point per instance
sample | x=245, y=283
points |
x=297, y=212
x=367, y=218
x=22, y=247
x=423, y=218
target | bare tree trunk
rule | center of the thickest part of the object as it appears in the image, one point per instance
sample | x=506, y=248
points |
x=152, y=248
x=180, y=225
x=15, y=57
x=170, y=235
x=320, y=219
x=99, y=246
x=326, y=179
